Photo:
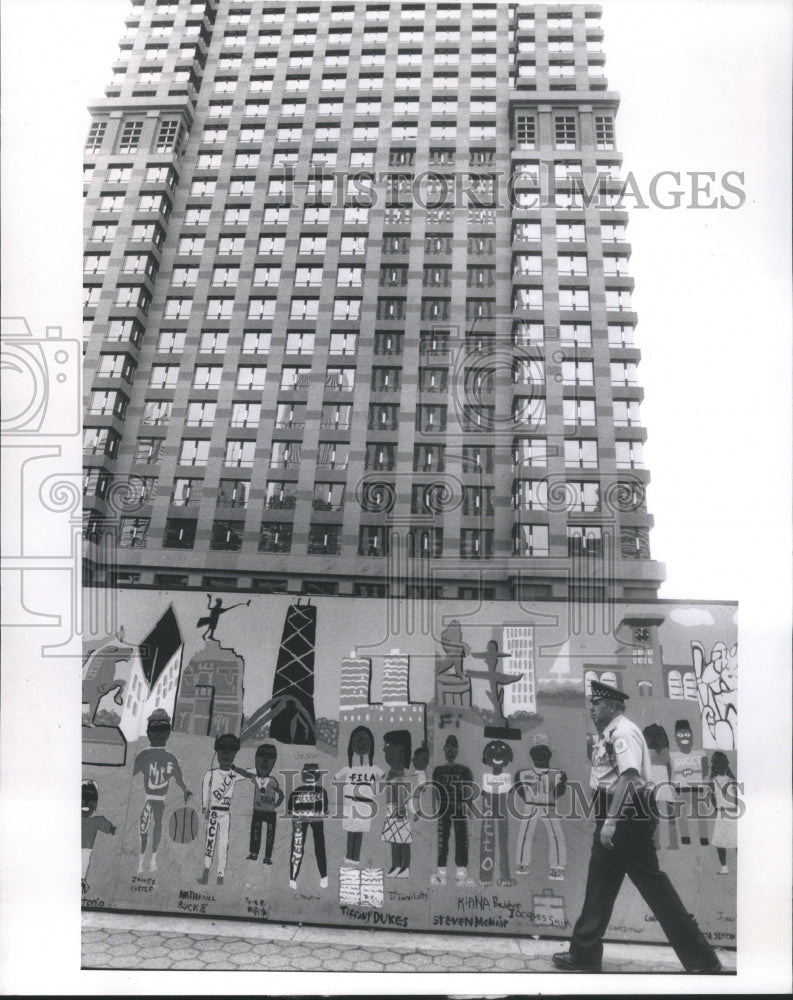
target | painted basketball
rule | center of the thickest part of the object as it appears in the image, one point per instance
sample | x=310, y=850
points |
x=183, y=825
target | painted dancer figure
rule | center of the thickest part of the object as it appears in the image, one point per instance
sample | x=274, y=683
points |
x=157, y=766
x=308, y=807
x=623, y=845
x=215, y=611
x=267, y=796
x=496, y=786
x=360, y=782
x=539, y=786
x=454, y=784
x=496, y=679
x=217, y=790
x=91, y=825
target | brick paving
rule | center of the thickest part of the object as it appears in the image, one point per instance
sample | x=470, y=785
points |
x=139, y=942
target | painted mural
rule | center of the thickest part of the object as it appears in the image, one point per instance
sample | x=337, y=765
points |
x=295, y=761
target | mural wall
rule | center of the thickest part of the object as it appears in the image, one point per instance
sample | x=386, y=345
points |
x=292, y=760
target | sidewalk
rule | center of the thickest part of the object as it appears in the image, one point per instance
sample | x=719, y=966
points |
x=134, y=941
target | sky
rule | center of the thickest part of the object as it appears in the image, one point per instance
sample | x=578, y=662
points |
x=705, y=87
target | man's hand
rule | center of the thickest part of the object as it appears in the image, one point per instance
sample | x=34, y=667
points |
x=607, y=832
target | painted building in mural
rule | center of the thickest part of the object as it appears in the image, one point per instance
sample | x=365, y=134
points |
x=210, y=695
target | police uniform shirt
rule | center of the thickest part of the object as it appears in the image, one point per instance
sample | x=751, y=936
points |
x=620, y=747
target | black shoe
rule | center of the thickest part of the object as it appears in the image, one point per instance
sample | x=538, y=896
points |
x=567, y=962
x=711, y=970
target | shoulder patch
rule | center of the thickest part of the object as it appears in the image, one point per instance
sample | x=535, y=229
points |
x=620, y=744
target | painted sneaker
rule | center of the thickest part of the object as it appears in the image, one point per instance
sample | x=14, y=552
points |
x=402, y=873
x=724, y=870
x=323, y=882
x=204, y=877
x=438, y=877
x=556, y=874
x=220, y=879
x=463, y=878
x=292, y=884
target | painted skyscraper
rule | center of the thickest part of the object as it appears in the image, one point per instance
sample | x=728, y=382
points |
x=352, y=265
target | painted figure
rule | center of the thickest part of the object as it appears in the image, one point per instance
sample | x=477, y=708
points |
x=623, y=845
x=496, y=787
x=497, y=679
x=399, y=792
x=360, y=782
x=689, y=772
x=157, y=766
x=661, y=773
x=91, y=825
x=539, y=786
x=215, y=611
x=724, y=796
x=454, y=784
x=217, y=790
x=308, y=807
x=267, y=796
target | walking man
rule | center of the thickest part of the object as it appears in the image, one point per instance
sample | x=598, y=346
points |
x=623, y=845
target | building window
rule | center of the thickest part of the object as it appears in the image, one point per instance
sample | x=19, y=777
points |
x=604, y=131
x=565, y=131
x=240, y=454
x=251, y=378
x=575, y=299
x=626, y=413
x=324, y=539
x=584, y=541
x=372, y=540
x=133, y=531
x=131, y=132
x=629, y=454
x=582, y=454
x=194, y=451
x=525, y=132
x=186, y=492
x=476, y=543
x=168, y=135
x=244, y=415
x=275, y=536
x=147, y=451
x=531, y=540
x=624, y=373
x=226, y=535
x=579, y=412
x=179, y=533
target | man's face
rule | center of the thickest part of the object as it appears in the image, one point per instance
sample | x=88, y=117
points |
x=498, y=754
x=601, y=712
x=360, y=744
x=450, y=752
x=226, y=757
x=684, y=739
x=264, y=764
x=310, y=776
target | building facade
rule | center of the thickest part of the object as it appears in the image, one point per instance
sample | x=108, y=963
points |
x=357, y=306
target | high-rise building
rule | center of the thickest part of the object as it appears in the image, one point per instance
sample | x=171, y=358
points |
x=357, y=311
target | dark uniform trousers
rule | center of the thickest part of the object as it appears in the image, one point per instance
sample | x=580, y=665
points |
x=634, y=854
